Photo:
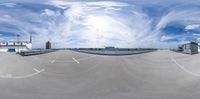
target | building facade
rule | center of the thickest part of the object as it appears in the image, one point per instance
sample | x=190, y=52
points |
x=15, y=46
x=190, y=48
x=198, y=47
x=48, y=45
x=110, y=48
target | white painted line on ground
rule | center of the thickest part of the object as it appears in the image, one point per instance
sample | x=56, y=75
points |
x=80, y=59
x=10, y=76
x=36, y=70
x=184, y=69
x=52, y=61
x=75, y=60
x=65, y=61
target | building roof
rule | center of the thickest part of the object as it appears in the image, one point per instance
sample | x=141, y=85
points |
x=12, y=45
x=14, y=42
x=193, y=43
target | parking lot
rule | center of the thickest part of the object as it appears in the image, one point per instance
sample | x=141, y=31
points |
x=68, y=74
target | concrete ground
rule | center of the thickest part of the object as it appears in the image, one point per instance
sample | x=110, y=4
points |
x=73, y=75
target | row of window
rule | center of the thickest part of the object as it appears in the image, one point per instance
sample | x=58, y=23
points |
x=13, y=43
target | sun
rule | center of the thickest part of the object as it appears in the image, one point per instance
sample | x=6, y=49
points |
x=100, y=23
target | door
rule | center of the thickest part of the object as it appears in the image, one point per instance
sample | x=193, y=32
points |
x=11, y=50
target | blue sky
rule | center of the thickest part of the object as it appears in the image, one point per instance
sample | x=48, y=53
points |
x=99, y=23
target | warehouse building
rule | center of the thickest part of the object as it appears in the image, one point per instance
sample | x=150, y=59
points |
x=190, y=48
x=199, y=47
x=15, y=46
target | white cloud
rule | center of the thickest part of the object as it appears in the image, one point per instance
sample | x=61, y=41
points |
x=184, y=16
x=8, y=4
x=5, y=18
x=48, y=12
x=196, y=34
x=88, y=24
x=106, y=4
x=198, y=39
x=100, y=27
x=165, y=38
x=187, y=17
x=192, y=26
x=1, y=39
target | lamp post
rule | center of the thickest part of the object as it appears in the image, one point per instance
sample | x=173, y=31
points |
x=18, y=43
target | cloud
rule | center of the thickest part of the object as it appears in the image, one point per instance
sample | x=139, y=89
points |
x=192, y=26
x=179, y=24
x=48, y=12
x=196, y=34
x=11, y=5
x=166, y=38
x=98, y=23
x=98, y=27
x=86, y=24
x=1, y=37
x=184, y=16
x=106, y=4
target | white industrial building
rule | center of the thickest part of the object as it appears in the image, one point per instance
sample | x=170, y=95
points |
x=15, y=46
x=199, y=47
x=190, y=48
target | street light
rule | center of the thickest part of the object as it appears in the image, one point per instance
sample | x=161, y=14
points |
x=18, y=43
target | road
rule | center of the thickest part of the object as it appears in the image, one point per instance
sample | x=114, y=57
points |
x=72, y=75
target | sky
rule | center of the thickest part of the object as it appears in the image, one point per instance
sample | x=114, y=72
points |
x=100, y=23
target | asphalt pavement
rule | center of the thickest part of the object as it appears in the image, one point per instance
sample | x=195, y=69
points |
x=68, y=74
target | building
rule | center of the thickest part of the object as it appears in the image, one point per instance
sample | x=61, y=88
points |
x=199, y=47
x=15, y=46
x=48, y=45
x=110, y=48
x=190, y=48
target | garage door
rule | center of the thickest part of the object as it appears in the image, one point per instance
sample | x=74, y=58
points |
x=11, y=50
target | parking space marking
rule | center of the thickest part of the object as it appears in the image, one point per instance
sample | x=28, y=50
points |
x=183, y=67
x=75, y=60
x=10, y=76
x=36, y=70
x=52, y=61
